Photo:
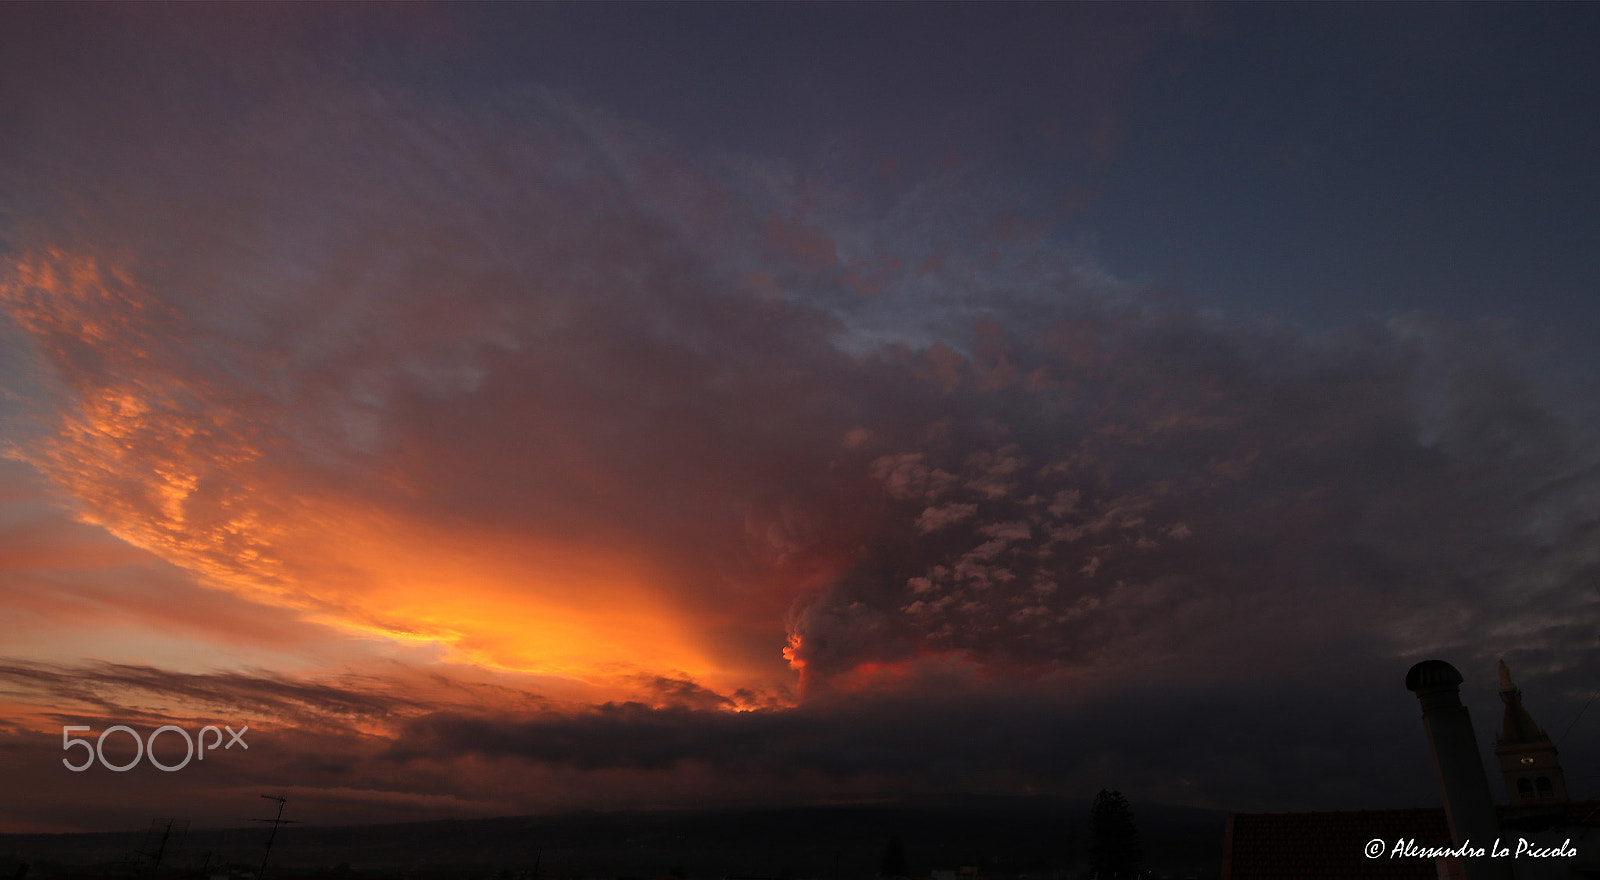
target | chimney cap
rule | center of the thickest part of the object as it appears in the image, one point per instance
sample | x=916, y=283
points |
x=1432, y=674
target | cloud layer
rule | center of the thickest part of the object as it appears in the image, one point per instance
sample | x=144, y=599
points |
x=525, y=389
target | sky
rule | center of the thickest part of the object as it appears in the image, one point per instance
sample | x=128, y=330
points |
x=511, y=409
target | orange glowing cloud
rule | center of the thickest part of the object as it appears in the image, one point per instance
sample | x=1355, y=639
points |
x=209, y=477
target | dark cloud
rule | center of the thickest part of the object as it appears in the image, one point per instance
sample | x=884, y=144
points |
x=120, y=691
x=1118, y=485
x=1345, y=735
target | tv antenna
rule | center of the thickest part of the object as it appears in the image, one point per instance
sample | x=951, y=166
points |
x=276, y=821
x=171, y=831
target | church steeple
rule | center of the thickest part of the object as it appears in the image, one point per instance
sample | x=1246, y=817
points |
x=1527, y=756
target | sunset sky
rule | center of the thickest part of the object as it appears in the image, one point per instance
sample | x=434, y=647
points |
x=507, y=409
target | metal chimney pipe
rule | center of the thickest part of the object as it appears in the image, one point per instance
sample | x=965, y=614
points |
x=1467, y=802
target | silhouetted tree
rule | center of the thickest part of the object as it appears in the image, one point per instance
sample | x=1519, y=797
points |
x=1114, y=849
x=894, y=859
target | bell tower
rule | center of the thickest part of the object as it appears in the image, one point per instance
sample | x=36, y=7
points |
x=1527, y=756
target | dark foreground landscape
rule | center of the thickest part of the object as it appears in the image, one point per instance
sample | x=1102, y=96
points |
x=1033, y=837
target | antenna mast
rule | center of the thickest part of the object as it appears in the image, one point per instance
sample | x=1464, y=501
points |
x=276, y=821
